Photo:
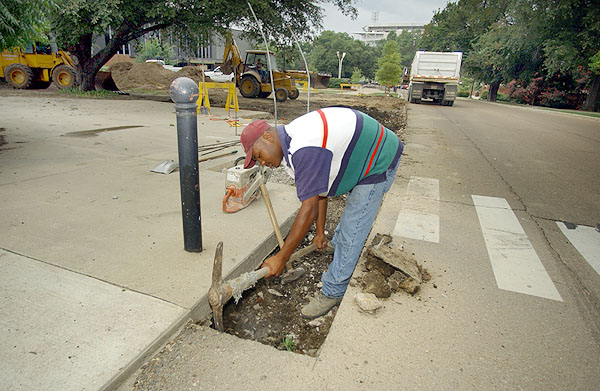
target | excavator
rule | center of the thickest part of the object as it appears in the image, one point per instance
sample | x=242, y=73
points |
x=252, y=75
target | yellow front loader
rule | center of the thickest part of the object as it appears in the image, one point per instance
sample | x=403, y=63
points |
x=37, y=66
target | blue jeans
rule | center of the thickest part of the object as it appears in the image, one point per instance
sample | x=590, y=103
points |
x=362, y=205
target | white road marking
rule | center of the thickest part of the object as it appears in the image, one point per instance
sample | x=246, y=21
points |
x=515, y=263
x=419, y=217
x=586, y=240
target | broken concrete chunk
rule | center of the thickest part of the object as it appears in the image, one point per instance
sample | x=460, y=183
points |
x=410, y=285
x=315, y=322
x=367, y=302
x=274, y=292
x=425, y=274
x=374, y=263
x=381, y=240
x=399, y=260
x=375, y=283
x=395, y=280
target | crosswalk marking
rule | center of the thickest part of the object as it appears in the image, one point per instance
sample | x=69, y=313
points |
x=515, y=263
x=419, y=217
x=586, y=240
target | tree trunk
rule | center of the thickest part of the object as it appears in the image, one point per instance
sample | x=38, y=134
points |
x=593, y=99
x=493, y=92
x=87, y=66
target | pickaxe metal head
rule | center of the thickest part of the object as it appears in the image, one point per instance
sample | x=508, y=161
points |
x=216, y=296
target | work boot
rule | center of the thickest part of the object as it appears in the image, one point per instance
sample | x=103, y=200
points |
x=319, y=306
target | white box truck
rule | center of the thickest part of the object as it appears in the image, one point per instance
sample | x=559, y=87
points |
x=434, y=75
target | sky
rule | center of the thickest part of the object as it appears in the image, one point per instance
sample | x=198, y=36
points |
x=388, y=11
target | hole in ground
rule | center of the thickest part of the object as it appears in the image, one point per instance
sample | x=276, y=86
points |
x=264, y=316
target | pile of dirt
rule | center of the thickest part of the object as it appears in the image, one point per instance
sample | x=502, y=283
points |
x=141, y=76
x=149, y=76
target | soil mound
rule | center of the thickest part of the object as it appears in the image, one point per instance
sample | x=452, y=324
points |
x=142, y=76
x=149, y=76
x=193, y=72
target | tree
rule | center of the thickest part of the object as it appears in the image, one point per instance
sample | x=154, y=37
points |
x=154, y=49
x=323, y=55
x=23, y=21
x=571, y=38
x=502, y=54
x=458, y=25
x=522, y=39
x=408, y=44
x=357, y=76
x=78, y=21
x=389, y=71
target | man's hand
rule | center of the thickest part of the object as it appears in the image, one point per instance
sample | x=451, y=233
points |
x=276, y=263
x=321, y=241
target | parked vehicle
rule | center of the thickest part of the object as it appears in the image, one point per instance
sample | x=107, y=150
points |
x=37, y=66
x=218, y=76
x=435, y=75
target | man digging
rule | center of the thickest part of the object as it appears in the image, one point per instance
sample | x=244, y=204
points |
x=329, y=152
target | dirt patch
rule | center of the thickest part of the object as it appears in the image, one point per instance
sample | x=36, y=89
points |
x=270, y=312
x=388, y=269
x=391, y=112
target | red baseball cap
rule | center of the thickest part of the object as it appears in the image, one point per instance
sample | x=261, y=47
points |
x=250, y=134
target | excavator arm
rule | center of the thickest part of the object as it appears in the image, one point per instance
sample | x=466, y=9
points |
x=232, y=59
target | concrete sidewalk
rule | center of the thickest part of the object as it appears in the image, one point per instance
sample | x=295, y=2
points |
x=92, y=268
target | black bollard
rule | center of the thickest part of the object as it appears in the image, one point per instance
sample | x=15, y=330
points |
x=184, y=92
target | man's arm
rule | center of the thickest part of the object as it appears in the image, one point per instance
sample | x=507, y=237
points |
x=319, y=238
x=306, y=215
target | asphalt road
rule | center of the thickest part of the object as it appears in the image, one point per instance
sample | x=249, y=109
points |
x=532, y=282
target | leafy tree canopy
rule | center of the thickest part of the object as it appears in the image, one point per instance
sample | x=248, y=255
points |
x=456, y=27
x=323, y=55
x=504, y=40
x=23, y=21
x=595, y=63
x=77, y=21
x=408, y=43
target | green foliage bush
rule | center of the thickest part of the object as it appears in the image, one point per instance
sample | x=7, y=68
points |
x=463, y=94
x=356, y=76
x=153, y=49
x=334, y=82
x=499, y=96
x=502, y=97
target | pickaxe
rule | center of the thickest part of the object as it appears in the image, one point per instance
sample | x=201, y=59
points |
x=220, y=292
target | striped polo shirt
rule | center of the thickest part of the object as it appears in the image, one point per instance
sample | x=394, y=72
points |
x=329, y=151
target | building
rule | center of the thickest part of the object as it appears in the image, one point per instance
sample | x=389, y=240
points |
x=186, y=52
x=376, y=32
